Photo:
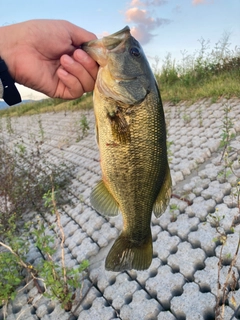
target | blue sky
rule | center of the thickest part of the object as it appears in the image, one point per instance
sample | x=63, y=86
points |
x=161, y=26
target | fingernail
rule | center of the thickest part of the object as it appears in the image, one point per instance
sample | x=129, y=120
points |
x=68, y=59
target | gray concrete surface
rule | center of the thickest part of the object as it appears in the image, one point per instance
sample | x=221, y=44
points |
x=184, y=279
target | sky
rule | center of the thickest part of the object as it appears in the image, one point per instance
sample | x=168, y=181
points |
x=161, y=26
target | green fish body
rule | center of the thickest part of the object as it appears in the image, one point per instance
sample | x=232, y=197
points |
x=131, y=135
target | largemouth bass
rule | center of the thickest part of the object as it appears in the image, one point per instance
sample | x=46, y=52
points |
x=131, y=134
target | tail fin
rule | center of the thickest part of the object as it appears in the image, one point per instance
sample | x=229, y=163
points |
x=126, y=254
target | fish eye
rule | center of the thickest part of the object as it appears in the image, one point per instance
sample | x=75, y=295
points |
x=135, y=52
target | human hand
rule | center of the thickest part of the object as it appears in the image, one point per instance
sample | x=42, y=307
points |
x=43, y=55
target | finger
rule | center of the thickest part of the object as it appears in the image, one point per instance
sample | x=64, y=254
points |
x=78, y=70
x=79, y=35
x=69, y=87
x=86, y=61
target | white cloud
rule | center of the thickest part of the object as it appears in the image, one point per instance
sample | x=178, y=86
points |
x=144, y=23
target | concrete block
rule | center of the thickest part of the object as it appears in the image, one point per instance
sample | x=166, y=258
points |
x=42, y=310
x=100, y=239
x=176, y=177
x=109, y=232
x=70, y=228
x=203, y=238
x=165, y=285
x=200, y=208
x=183, y=166
x=234, y=298
x=141, y=307
x=165, y=245
x=226, y=216
x=85, y=250
x=142, y=276
x=198, y=155
x=182, y=226
x=216, y=191
x=187, y=260
x=166, y=315
x=95, y=222
x=229, y=250
x=193, y=304
x=121, y=291
x=208, y=280
x=102, y=278
x=167, y=217
x=100, y=310
x=58, y=313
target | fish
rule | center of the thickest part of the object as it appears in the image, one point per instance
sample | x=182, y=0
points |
x=131, y=136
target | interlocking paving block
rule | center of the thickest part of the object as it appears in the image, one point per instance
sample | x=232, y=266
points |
x=109, y=231
x=212, y=144
x=183, y=166
x=99, y=310
x=75, y=240
x=204, y=238
x=216, y=191
x=142, y=276
x=100, y=277
x=57, y=313
x=210, y=171
x=187, y=260
x=227, y=313
x=95, y=222
x=193, y=304
x=229, y=250
x=183, y=225
x=41, y=311
x=183, y=246
x=234, y=302
x=200, y=208
x=167, y=217
x=232, y=200
x=226, y=216
x=85, y=250
x=140, y=307
x=213, y=277
x=166, y=315
x=165, y=285
x=165, y=245
x=70, y=228
x=176, y=177
x=121, y=291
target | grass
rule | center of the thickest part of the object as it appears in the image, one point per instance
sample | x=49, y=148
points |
x=208, y=73
x=49, y=105
x=30, y=183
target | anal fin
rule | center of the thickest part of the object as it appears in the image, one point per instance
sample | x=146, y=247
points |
x=164, y=195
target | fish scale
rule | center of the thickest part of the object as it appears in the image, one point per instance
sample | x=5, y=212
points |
x=131, y=135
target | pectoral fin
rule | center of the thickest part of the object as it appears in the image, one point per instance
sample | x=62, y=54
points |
x=102, y=200
x=164, y=195
x=119, y=126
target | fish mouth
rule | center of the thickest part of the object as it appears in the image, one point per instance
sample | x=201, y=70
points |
x=98, y=49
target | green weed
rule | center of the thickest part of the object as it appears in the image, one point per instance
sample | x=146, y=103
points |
x=82, y=127
x=208, y=73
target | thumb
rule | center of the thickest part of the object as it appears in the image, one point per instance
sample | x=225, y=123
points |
x=79, y=35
